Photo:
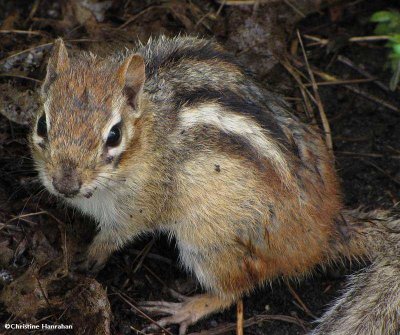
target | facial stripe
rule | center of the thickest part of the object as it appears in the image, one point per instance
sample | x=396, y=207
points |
x=114, y=119
x=46, y=112
x=36, y=138
x=39, y=140
x=126, y=131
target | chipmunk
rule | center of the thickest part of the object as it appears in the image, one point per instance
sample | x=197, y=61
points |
x=176, y=136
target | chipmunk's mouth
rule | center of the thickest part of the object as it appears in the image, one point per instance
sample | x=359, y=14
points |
x=88, y=195
x=87, y=192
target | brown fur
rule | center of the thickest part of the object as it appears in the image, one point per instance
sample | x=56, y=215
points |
x=247, y=190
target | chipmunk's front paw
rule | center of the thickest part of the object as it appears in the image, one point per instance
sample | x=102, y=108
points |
x=179, y=314
x=184, y=313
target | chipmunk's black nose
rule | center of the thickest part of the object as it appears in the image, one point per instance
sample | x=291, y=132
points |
x=67, y=182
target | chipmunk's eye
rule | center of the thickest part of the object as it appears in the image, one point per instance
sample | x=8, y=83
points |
x=42, y=126
x=114, y=136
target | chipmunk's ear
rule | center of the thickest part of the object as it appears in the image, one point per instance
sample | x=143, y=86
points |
x=131, y=76
x=58, y=62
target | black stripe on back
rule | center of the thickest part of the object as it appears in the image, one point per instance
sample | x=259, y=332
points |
x=233, y=101
x=202, y=137
x=173, y=54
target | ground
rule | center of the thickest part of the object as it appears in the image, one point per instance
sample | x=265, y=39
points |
x=36, y=232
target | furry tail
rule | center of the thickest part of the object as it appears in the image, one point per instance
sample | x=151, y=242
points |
x=360, y=234
x=371, y=302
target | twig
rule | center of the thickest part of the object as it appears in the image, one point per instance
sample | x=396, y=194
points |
x=329, y=77
x=381, y=170
x=362, y=71
x=239, y=318
x=295, y=9
x=124, y=298
x=133, y=18
x=41, y=46
x=155, y=276
x=325, y=41
x=301, y=303
x=246, y=2
x=373, y=155
x=26, y=215
x=173, y=293
x=373, y=98
x=393, y=149
x=42, y=290
x=151, y=255
x=303, y=89
x=33, y=10
x=19, y=76
x=324, y=119
x=369, y=38
x=222, y=4
x=53, y=217
x=143, y=255
x=137, y=331
x=25, y=32
x=341, y=82
x=251, y=321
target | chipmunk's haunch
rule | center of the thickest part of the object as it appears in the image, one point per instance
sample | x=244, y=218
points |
x=175, y=136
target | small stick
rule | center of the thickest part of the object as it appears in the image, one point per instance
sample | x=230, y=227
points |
x=41, y=46
x=26, y=215
x=222, y=4
x=325, y=41
x=239, y=316
x=362, y=71
x=124, y=298
x=133, y=18
x=369, y=38
x=382, y=171
x=33, y=10
x=300, y=302
x=373, y=98
x=143, y=255
x=342, y=82
x=137, y=331
x=329, y=77
x=19, y=76
x=324, y=119
x=374, y=155
x=15, y=31
x=223, y=329
x=295, y=9
x=42, y=290
x=302, y=88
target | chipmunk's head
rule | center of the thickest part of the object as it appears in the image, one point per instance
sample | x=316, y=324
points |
x=87, y=120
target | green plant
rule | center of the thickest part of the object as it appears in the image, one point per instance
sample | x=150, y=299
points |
x=388, y=24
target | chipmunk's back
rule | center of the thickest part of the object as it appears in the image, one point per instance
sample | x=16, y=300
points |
x=247, y=171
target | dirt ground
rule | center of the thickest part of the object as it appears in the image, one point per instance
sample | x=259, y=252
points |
x=37, y=232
